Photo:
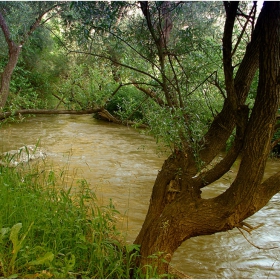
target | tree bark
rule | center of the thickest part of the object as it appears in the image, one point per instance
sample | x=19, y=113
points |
x=14, y=51
x=177, y=212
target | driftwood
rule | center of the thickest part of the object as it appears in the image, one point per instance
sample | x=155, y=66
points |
x=105, y=115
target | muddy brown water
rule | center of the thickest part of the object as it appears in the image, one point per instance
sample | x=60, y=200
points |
x=120, y=163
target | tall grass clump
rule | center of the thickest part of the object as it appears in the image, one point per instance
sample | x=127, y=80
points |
x=48, y=231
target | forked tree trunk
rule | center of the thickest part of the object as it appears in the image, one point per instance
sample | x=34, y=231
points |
x=177, y=212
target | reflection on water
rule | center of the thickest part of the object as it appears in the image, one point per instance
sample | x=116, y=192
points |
x=121, y=164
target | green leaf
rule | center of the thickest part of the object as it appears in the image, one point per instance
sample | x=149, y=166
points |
x=14, y=235
x=70, y=261
x=3, y=232
x=82, y=246
x=48, y=257
x=14, y=276
x=131, y=247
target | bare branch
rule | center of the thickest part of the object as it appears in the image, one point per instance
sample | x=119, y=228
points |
x=122, y=85
x=254, y=17
x=243, y=30
x=59, y=98
x=139, y=106
x=260, y=248
x=216, y=83
x=36, y=24
x=151, y=94
x=275, y=142
x=142, y=56
x=176, y=82
x=136, y=51
x=205, y=80
x=145, y=9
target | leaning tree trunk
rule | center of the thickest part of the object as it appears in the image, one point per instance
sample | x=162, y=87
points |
x=14, y=51
x=177, y=211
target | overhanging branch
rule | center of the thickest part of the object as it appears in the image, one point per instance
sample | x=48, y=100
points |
x=119, y=63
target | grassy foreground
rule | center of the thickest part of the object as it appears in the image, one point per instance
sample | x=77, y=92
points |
x=50, y=232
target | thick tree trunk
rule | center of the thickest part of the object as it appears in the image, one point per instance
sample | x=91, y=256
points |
x=177, y=212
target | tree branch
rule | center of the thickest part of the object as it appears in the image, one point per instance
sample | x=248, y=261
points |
x=119, y=63
x=176, y=82
x=6, y=32
x=275, y=142
x=231, y=11
x=151, y=94
x=224, y=122
x=242, y=32
x=260, y=248
x=36, y=24
x=204, y=81
x=210, y=176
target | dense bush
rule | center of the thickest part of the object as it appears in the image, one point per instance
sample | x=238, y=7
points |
x=127, y=104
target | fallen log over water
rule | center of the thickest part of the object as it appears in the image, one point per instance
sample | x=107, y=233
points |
x=102, y=113
x=5, y=115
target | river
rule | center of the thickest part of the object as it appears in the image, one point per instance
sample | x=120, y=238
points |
x=120, y=163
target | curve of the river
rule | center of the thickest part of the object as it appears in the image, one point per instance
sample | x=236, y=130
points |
x=121, y=164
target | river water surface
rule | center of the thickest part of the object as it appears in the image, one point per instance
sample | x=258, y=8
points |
x=120, y=163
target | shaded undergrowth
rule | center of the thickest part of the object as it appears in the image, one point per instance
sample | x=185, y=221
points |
x=48, y=231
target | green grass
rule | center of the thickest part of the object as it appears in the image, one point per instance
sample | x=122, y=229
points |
x=47, y=231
